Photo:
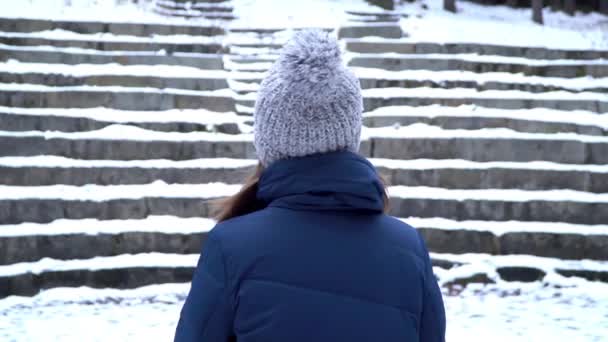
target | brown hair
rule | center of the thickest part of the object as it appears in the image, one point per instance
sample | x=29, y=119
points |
x=245, y=201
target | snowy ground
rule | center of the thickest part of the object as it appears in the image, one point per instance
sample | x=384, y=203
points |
x=506, y=312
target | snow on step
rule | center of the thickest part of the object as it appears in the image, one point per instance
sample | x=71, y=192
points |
x=179, y=225
x=424, y=131
x=63, y=162
x=150, y=224
x=17, y=87
x=425, y=92
x=577, y=117
x=127, y=132
x=579, y=83
x=81, y=70
x=199, y=116
x=100, y=193
x=101, y=263
x=59, y=34
x=224, y=163
x=497, y=228
x=472, y=57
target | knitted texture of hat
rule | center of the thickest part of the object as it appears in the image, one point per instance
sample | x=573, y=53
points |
x=309, y=102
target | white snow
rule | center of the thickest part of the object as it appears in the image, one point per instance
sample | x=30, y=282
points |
x=578, y=84
x=424, y=131
x=473, y=57
x=426, y=92
x=99, y=193
x=200, y=116
x=82, y=70
x=578, y=117
x=101, y=263
x=499, y=228
x=25, y=87
x=92, y=192
x=432, y=164
x=75, y=50
x=63, y=162
x=59, y=34
x=155, y=224
x=503, y=25
x=126, y=132
x=172, y=224
x=501, y=195
x=503, y=312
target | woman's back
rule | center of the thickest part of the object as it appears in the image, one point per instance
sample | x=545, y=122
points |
x=305, y=251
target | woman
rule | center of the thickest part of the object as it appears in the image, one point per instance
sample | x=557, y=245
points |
x=305, y=252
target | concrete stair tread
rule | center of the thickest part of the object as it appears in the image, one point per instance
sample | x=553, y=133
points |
x=195, y=13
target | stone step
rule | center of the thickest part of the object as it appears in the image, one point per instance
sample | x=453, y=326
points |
x=420, y=141
x=411, y=142
x=105, y=42
x=130, y=271
x=500, y=99
x=89, y=238
x=47, y=203
x=412, y=47
x=450, y=174
x=535, y=120
x=110, y=143
x=49, y=170
x=194, y=13
x=384, y=30
x=127, y=98
x=118, y=28
x=55, y=55
x=482, y=64
x=90, y=119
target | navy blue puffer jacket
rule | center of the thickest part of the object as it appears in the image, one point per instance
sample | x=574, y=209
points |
x=320, y=262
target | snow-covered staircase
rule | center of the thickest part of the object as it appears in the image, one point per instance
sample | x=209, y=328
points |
x=114, y=137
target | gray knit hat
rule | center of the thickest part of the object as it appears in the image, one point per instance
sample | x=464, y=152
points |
x=309, y=102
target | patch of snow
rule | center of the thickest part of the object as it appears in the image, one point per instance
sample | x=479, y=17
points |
x=578, y=117
x=425, y=92
x=100, y=193
x=433, y=164
x=127, y=132
x=500, y=195
x=578, y=84
x=499, y=228
x=63, y=162
x=75, y=50
x=424, y=131
x=473, y=57
x=491, y=25
x=101, y=263
x=201, y=116
x=155, y=224
x=25, y=87
x=60, y=34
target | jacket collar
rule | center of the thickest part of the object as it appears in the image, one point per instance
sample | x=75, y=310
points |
x=339, y=180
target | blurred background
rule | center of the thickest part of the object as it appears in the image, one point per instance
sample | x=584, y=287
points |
x=120, y=120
